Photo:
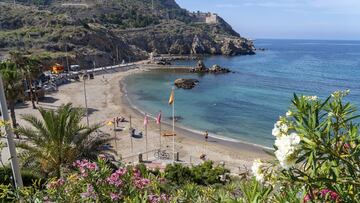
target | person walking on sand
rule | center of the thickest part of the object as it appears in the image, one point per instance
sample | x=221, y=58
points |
x=206, y=135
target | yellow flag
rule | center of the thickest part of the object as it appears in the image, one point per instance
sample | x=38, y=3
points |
x=171, y=99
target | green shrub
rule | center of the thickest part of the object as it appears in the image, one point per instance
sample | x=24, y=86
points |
x=178, y=174
x=207, y=174
x=203, y=174
x=28, y=177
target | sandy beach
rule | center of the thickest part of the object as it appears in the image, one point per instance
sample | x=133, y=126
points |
x=107, y=99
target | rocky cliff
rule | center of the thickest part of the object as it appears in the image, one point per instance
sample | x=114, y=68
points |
x=110, y=31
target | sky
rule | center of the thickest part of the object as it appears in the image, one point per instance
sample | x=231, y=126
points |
x=286, y=19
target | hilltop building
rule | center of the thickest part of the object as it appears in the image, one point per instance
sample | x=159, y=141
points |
x=208, y=18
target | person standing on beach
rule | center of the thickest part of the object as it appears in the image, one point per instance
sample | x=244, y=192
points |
x=206, y=134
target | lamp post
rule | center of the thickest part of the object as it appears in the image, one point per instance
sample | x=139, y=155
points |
x=85, y=98
x=10, y=138
x=67, y=60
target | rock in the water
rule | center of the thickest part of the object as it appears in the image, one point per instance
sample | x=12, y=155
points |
x=200, y=67
x=185, y=83
x=218, y=69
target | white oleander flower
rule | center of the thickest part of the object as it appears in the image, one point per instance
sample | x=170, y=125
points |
x=284, y=128
x=276, y=132
x=257, y=171
x=295, y=138
x=310, y=98
x=340, y=94
x=278, y=123
x=286, y=149
x=289, y=113
x=280, y=128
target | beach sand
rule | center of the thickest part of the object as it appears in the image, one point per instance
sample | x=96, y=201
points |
x=107, y=99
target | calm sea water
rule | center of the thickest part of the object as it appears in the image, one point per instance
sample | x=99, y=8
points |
x=244, y=105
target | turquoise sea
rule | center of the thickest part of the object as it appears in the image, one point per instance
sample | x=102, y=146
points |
x=244, y=105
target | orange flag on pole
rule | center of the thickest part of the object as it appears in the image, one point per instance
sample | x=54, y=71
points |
x=171, y=99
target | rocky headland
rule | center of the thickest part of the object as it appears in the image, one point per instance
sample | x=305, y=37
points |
x=109, y=32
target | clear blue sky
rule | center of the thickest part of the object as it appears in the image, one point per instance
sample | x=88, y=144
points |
x=292, y=19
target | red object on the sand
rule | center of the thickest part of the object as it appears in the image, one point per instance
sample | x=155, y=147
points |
x=146, y=120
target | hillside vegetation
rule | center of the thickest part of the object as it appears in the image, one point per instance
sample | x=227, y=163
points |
x=110, y=31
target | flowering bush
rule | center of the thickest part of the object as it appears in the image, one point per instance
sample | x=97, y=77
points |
x=96, y=182
x=316, y=148
x=317, y=159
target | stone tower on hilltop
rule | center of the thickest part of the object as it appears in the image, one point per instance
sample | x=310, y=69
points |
x=211, y=18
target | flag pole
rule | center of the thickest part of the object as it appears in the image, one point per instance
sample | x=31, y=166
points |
x=132, y=145
x=159, y=129
x=173, y=112
x=146, y=139
x=160, y=134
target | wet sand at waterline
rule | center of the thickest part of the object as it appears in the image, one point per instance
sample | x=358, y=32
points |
x=107, y=99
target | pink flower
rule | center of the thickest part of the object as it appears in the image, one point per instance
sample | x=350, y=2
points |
x=89, y=193
x=136, y=173
x=121, y=171
x=324, y=193
x=102, y=156
x=307, y=198
x=114, y=196
x=60, y=182
x=114, y=179
x=92, y=166
x=329, y=193
x=347, y=146
x=55, y=184
x=157, y=199
x=141, y=182
x=154, y=199
x=165, y=197
x=85, y=165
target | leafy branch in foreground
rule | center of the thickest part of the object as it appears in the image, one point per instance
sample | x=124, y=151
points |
x=317, y=148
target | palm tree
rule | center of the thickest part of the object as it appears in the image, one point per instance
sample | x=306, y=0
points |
x=13, y=86
x=59, y=139
x=31, y=68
